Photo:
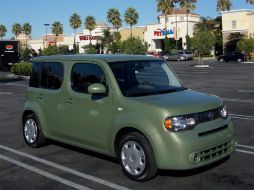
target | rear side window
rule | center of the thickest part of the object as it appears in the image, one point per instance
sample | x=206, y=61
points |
x=47, y=75
x=35, y=75
x=85, y=74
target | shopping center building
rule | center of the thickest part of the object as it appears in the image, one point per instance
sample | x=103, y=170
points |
x=177, y=27
x=241, y=21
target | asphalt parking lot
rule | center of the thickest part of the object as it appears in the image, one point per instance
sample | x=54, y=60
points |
x=61, y=167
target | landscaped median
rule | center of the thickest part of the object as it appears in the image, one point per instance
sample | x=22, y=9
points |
x=22, y=68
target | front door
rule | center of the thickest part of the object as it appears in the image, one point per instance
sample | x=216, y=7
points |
x=87, y=118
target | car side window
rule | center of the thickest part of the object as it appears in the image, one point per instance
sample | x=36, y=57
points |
x=85, y=74
x=51, y=75
x=35, y=75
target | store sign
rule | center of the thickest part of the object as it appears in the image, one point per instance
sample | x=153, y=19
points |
x=163, y=32
x=87, y=37
x=9, y=47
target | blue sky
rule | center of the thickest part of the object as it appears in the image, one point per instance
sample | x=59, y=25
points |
x=38, y=12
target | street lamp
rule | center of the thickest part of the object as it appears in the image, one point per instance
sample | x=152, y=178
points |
x=46, y=25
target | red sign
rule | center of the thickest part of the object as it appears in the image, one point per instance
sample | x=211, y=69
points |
x=87, y=37
x=9, y=47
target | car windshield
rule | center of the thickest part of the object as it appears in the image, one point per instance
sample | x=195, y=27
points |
x=142, y=78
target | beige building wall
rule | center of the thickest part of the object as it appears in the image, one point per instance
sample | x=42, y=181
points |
x=237, y=21
x=137, y=32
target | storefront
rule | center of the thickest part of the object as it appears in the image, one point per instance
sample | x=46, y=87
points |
x=177, y=27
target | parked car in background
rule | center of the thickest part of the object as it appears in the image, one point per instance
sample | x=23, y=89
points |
x=174, y=56
x=232, y=56
x=154, y=54
x=187, y=54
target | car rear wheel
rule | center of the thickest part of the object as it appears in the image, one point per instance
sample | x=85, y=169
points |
x=136, y=157
x=221, y=60
x=32, y=132
x=178, y=59
x=239, y=60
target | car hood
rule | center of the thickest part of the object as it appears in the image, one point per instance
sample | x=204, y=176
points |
x=183, y=102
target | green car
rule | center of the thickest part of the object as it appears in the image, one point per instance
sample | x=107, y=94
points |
x=130, y=107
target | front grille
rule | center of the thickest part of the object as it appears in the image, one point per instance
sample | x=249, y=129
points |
x=206, y=116
x=212, y=131
x=216, y=151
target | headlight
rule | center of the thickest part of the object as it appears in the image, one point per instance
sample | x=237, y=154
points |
x=181, y=123
x=224, y=112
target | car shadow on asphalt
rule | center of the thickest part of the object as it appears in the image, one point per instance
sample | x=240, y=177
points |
x=85, y=151
x=191, y=172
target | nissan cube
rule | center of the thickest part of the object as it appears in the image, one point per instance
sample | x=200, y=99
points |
x=130, y=107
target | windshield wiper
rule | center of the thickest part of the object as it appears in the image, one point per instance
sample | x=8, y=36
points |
x=172, y=90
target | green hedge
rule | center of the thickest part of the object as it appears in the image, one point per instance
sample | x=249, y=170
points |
x=24, y=69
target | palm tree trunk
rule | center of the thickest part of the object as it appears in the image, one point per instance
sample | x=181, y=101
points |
x=56, y=40
x=131, y=31
x=90, y=37
x=74, y=41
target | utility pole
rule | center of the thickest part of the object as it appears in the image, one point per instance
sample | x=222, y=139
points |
x=46, y=37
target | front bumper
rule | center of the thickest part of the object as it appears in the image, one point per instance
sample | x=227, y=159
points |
x=187, y=150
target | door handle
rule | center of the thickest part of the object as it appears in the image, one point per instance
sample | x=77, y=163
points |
x=40, y=97
x=70, y=101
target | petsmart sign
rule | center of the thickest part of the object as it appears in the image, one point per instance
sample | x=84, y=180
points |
x=162, y=33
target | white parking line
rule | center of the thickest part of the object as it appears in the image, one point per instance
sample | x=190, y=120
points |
x=6, y=93
x=245, y=146
x=246, y=117
x=44, y=173
x=246, y=91
x=238, y=100
x=66, y=169
x=244, y=151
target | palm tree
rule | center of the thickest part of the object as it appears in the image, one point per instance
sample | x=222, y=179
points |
x=75, y=23
x=90, y=24
x=206, y=24
x=250, y=1
x=3, y=31
x=223, y=5
x=106, y=39
x=131, y=17
x=27, y=29
x=166, y=7
x=57, y=28
x=16, y=30
x=188, y=6
x=114, y=17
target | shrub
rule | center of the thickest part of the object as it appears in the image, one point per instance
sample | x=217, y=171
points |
x=134, y=46
x=22, y=69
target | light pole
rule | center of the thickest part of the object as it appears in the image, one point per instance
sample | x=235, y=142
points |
x=46, y=37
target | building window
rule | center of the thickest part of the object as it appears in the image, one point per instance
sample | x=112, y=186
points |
x=233, y=24
x=181, y=18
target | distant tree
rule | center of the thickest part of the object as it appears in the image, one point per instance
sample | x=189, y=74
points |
x=106, y=39
x=250, y=1
x=223, y=5
x=16, y=29
x=232, y=40
x=133, y=46
x=166, y=7
x=3, y=31
x=188, y=6
x=246, y=45
x=202, y=42
x=50, y=50
x=90, y=24
x=57, y=29
x=206, y=24
x=75, y=23
x=166, y=44
x=131, y=17
x=27, y=29
x=90, y=49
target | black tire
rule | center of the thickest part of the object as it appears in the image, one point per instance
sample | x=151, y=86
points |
x=40, y=139
x=150, y=167
x=178, y=59
x=239, y=60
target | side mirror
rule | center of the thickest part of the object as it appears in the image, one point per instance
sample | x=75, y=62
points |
x=97, y=88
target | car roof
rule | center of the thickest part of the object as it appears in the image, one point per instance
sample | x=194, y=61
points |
x=94, y=57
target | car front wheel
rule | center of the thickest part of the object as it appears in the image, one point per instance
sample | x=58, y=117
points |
x=136, y=157
x=239, y=60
